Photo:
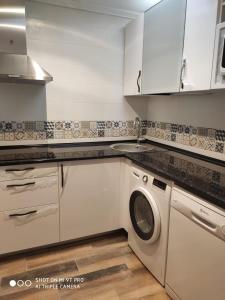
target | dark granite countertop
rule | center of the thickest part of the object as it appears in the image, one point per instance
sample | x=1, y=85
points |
x=203, y=178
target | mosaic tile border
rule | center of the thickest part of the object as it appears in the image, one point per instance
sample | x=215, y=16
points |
x=48, y=130
x=198, y=137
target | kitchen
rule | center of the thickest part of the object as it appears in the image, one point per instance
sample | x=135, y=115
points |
x=112, y=135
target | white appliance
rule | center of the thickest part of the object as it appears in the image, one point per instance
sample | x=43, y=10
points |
x=149, y=217
x=196, y=250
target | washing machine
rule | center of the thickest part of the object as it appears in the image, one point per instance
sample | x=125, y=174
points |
x=149, y=204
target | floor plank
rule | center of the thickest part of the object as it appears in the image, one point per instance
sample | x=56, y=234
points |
x=107, y=265
x=12, y=265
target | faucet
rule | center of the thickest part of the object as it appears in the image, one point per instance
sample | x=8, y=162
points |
x=137, y=125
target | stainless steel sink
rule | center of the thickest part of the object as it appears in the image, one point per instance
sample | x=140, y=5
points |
x=135, y=148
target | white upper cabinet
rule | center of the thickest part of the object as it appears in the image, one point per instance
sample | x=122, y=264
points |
x=133, y=56
x=199, y=39
x=163, y=47
x=218, y=73
x=171, y=48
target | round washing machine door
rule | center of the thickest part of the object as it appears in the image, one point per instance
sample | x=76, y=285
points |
x=144, y=215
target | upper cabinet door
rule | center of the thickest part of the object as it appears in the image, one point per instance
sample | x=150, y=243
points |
x=163, y=47
x=199, y=39
x=133, y=56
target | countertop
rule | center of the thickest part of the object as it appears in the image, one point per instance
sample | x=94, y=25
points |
x=205, y=179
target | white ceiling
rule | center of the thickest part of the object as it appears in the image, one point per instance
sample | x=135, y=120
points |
x=123, y=8
x=132, y=5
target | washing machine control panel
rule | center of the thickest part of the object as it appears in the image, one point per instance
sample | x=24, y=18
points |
x=145, y=178
x=223, y=229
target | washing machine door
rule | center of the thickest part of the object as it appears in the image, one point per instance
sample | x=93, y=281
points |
x=144, y=215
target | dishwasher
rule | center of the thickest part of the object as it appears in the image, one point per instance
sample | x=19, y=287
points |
x=196, y=249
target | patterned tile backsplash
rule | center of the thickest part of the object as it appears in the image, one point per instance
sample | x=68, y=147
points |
x=199, y=137
x=58, y=130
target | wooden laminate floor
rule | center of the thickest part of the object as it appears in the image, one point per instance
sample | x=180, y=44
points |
x=104, y=268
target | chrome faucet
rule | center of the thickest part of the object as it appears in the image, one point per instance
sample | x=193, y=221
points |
x=137, y=125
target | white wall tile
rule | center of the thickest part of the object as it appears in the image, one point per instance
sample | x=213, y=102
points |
x=204, y=110
x=84, y=52
x=21, y=102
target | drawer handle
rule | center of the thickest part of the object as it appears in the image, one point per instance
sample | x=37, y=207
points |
x=18, y=185
x=20, y=170
x=24, y=214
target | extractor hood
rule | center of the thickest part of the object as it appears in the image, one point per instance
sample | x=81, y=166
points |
x=15, y=64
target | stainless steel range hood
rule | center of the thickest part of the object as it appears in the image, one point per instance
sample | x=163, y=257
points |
x=15, y=65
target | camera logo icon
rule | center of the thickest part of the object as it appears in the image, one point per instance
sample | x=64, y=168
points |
x=20, y=283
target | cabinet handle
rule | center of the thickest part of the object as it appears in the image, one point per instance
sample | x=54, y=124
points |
x=62, y=176
x=223, y=55
x=19, y=170
x=18, y=185
x=182, y=73
x=25, y=214
x=138, y=81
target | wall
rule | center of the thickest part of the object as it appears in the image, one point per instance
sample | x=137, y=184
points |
x=84, y=52
x=191, y=122
x=204, y=110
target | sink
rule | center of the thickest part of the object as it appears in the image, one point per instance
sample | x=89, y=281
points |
x=135, y=148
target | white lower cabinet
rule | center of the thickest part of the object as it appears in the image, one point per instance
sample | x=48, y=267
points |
x=29, y=208
x=83, y=199
x=89, y=198
x=28, y=228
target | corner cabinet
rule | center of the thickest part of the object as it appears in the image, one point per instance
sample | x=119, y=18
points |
x=89, y=198
x=199, y=39
x=163, y=47
x=133, y=56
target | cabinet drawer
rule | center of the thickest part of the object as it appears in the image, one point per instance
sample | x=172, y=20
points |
x=27, y=171
x=28, y=192
x=38, y=226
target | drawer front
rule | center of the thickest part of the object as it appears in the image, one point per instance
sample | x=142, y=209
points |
x=29, y=228
x=28, y=171
x=17, y=194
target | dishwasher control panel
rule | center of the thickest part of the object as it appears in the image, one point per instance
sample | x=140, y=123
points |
x=200, y=212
